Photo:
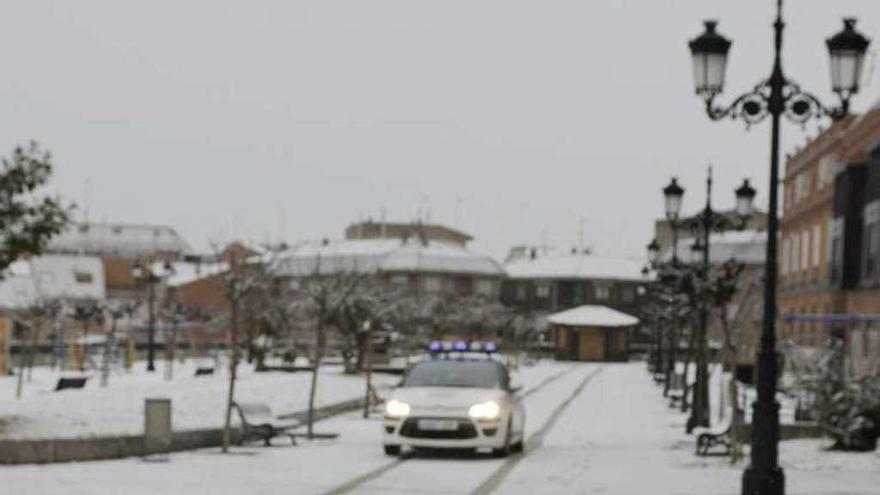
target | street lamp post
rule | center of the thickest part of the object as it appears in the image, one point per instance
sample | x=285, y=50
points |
x=672, y=196
x=774, y=97
x=702, y=225
x=145, y=273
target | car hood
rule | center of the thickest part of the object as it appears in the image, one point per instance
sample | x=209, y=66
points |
x=446, y=397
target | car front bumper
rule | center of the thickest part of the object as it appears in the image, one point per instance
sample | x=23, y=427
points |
x=469, y=434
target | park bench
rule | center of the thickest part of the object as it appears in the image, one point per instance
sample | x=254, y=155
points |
x=204, y=371
x=71, y=382
x=258, y=423
x=708, y=438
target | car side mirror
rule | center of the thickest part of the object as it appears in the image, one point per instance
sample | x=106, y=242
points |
x=516, y=388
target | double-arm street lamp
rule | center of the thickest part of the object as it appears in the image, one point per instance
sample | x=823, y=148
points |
x=773, y=97
x=145, y=273
x=702, y=226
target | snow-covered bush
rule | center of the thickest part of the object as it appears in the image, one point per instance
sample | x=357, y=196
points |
x=847, y=409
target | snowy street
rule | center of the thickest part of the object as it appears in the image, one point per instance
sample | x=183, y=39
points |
x=591, y=429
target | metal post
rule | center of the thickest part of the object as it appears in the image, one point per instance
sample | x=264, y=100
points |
x=672, y=337
x=151, y=325
x=699, y=410
x=764, y=476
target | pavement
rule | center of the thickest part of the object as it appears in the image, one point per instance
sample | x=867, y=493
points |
x=591, y=429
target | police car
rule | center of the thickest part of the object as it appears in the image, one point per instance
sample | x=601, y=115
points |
x=458, y=399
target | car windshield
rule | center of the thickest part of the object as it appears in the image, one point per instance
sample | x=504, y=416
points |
x=454, y=374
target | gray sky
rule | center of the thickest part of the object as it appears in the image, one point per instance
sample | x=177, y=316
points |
x=289, y=119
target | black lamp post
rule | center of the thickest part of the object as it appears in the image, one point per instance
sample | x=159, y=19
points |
x=774, y=97
x=145, y=273
x=654, y=256
x=672, y=199
x=702, y=225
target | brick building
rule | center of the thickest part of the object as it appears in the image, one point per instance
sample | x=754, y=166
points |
x=390, y=230
x=422, y=259
x=119, y=246
x=830, y=248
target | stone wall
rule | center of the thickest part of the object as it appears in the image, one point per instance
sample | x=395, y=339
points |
x=117, y=447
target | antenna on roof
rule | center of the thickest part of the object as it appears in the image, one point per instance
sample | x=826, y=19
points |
x=87, y=199
x=382, y=227
x=581, y=233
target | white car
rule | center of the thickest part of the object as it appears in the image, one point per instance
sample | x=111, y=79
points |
x=455, y=403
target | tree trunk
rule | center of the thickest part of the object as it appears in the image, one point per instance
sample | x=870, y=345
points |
x=170, y=348
x=368, y=360
x=22, y=359
x=319, y=353
x=233, y=367
x=690, y=355
x=108, y=348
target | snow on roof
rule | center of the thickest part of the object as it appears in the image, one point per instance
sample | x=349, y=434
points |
x=747, y=246
x=183, y=272
x=590, y=315
x=576, y=266
x=17, y=291
x=52, y=277
x=383, y=255
x=118, y=239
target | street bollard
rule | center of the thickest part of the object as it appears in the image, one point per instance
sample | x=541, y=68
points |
x=157, y=426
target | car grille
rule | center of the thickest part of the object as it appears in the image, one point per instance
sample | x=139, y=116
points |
x=411, y=429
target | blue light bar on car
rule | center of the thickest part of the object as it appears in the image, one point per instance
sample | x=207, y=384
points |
x=460, y=346
x=490, y=347
x=436, y=346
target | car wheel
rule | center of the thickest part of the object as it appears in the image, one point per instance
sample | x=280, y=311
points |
x=505, y=450
x=392, y=449
x=518, y=447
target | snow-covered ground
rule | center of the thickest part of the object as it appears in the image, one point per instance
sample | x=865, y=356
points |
x=616, y=435
x=197, y=402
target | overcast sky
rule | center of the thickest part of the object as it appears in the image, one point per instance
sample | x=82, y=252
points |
x=290, y=119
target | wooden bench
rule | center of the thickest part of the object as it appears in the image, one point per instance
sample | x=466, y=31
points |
x=258, y=423
x=74, y=382
x=708, y=438
x=204, y=371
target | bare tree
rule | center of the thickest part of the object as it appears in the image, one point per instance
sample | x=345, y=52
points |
x=241, y=280
x=321, y=300
x=116, y=311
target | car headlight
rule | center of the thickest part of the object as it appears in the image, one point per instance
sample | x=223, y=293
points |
x=396, y=408
x=485, y=410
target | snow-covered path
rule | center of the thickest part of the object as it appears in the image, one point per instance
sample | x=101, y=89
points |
x=593, y=430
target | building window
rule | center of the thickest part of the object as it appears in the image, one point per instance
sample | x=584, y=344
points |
x=801, y=186
x=82, y=277
x=795, y=250
x=485, y=287
x=627, y=295
x=828, y=168
x=786, y=258
x=399, y=281
x=837, y=251
x=521, y=291
x=805, y=249
x=464, y=286
x=603, y=292
x=817, y=245
x=542, y=290
x=432, y=284
x=871, y=241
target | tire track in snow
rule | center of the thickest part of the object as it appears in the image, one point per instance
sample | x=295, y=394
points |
x=534, y=442
x=378, y=472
